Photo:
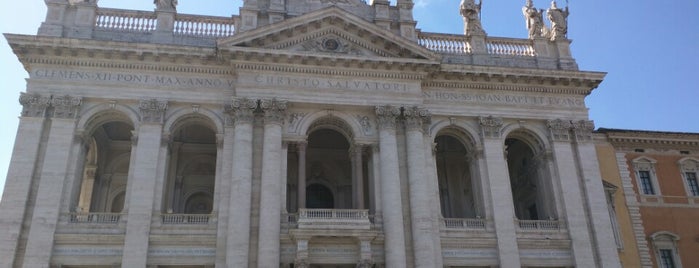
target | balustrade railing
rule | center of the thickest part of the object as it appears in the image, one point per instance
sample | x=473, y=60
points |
x=94, y=217
x=458, y=44
x=206, y=26
x=467, y=224
x=185, y=218
x=539, y=225
x=510, y=46
x=334, y=218
x=125, y=20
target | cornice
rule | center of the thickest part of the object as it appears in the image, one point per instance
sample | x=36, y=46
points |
x=321, y=70
x=650, y=139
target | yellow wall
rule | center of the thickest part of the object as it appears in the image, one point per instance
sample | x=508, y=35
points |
x=610, y=172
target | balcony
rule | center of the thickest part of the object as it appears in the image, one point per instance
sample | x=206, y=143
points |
x=354, y=219
x=539, y=225
x=95, y=217
x=464, y=224
x=186, y=219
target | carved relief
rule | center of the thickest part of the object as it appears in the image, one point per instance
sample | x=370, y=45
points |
x=365, y=123
x=415, y=118
x=152, y=111
x=583, y=130
x=34, y=105
x=295, y=120
x=275, y=110
x=560, y=129
x=66, y=106
x=331, y=44
x=240, y=110
x=387, y=116
x=490, y=126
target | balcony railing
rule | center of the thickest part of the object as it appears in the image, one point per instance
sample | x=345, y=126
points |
x=95, y=217
x=465, y=224
x=458, y=44
x=539, y=225
x=125, y=20
x=334, y=219
x=205, y=26
x=186, y=218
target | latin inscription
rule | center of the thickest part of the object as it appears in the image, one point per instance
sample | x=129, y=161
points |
x=469, y=253
x=182, y=252
x=480, y=98
x=93, y=251
x=331, y=83
x=144, y=79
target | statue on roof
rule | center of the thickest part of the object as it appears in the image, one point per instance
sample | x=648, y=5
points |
x=535, y=20
x=472, y=17
x=559, y=21
x=165, y=4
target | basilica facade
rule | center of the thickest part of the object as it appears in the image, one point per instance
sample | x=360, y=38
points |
x=301, y=133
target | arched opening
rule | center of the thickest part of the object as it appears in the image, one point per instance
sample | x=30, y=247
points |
x=191, y=169
x=105, y=168
x=319, y=196
x=455, y=172
x=328, y=163
x=528, y=179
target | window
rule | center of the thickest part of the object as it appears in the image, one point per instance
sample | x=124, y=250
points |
x=610, y=190
x=666, y=259
x=646, y=183
x=689, y=167
x=692, y=183
x=646, y=179
x=665, y=247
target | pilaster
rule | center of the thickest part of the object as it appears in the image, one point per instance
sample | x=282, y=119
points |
x=241, y=114
x=55, y=16
x=85, y=16
x=270, y=196
x=602, y=235
x=21, y=173
x=569, y=180
x=140, y=193
x=394, y=245
x=500, y=192
x=53, y=177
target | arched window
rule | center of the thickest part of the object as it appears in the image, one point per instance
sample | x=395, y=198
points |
x=529, y=179
x=665, y=248
x=457, y=178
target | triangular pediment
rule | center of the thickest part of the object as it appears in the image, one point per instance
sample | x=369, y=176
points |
x=329, y=31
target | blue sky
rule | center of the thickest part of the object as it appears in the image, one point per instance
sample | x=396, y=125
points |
x=649, y=48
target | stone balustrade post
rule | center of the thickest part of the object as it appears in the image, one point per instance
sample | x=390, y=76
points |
x=500, y=192
x=381, y=13
x=21, y=173
x=568, y=177
x=165, y=12
x=149, y=151
x=394, y=245
x=85, y=17
x=52, y=179
x=423, y=227
x=593, y=189
x=241, y=113
x=270, y=196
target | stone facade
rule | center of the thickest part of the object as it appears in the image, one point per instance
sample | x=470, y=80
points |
x=302, y=132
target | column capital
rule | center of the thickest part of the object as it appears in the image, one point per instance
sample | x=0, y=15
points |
x=559, y=129
x=491, y=126
x=583, y=130
x=387, y=116
x=34, y=104
x=240, y=110
x=66, y=107
x=275, y=110
x=152, y=110
x=417, y=118
x=301, y=145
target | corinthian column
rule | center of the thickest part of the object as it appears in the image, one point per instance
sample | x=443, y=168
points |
x=301, y=184
x=19, y=175
x=270, y=196
x=420, y=210
x=238, y=235
x=394, y=245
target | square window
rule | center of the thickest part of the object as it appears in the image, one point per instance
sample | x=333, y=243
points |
x=666, y=260
x=692, y=183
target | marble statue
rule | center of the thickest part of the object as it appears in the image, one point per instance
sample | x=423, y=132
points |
x=472, y=19
x=165, y=4
x=559, y=21
x=535, y=20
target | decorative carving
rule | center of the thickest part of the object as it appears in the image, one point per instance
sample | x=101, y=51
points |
x=165, y=4
x=275, y=110
x=34, y=105
x=152, y=111
x=535, y=20
x=240, y=110
x=490, y=126
x=472, y=17
x=583, y=130
x=387, y=116
x=416, y=117
x=294, y=120
x=365, y=263
x=301, y=263
x=365, y=123
x=66, y=106
x=560, y=129
x=559, y=22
